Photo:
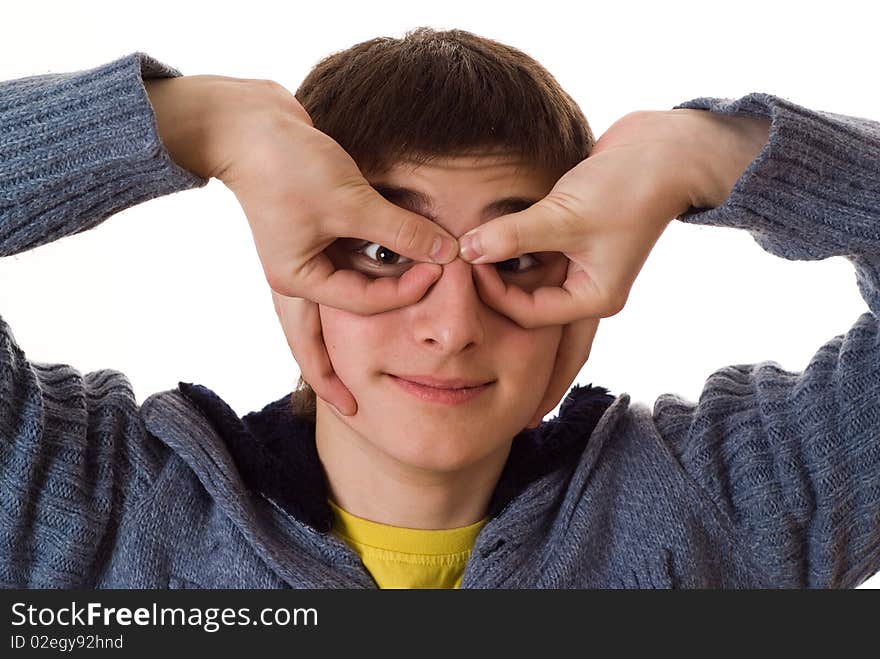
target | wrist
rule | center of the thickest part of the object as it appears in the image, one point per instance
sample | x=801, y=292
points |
x=722, y=148
x=185, y=107
x=179, y=112
x=208, y=123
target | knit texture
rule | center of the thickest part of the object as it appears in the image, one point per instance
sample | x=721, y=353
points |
x=770, y=479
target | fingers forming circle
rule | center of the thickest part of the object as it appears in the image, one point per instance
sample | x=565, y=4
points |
x=548, y=305
x=573, y=352
x=301, y=322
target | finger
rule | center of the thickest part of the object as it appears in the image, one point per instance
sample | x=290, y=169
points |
x=301, y=321
x=547, y=226
x=573, y=353
x=355, y=292
x=402, y=231
x=577, y=298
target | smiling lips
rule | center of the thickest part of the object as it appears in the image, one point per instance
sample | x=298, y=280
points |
x=438, y=390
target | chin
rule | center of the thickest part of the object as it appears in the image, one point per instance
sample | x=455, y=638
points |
x=442, y=445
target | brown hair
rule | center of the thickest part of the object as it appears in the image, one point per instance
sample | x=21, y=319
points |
x=436, y=94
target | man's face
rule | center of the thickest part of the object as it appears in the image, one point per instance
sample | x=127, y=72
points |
x=447, y=382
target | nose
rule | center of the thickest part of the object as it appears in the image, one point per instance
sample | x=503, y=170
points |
x=449, y=319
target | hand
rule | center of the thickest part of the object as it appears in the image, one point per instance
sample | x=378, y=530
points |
x=572, y=354
x=300, y=191
x=605, y=215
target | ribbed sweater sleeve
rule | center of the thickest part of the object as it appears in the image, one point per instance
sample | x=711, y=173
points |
x=75, y=148
x=791, y=461
x=75, y=459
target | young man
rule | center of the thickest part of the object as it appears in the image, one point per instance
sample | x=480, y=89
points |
x=433, y=472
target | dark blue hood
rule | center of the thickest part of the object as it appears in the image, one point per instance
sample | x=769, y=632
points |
x=276, y=454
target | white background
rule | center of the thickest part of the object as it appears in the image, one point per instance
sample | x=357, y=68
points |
x=173, y=290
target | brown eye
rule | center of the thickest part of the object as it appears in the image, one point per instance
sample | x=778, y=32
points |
x=518, y=264
x=382, y=255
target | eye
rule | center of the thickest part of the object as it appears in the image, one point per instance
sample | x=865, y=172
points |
x=382, y=255
x=518, y=264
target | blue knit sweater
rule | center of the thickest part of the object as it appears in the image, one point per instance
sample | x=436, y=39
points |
x=771, y=479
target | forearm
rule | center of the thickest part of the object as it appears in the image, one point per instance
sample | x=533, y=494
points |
x=812, y=192
x=78, y=148
x=187, y=110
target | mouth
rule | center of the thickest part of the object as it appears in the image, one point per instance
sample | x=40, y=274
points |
x=439, y=390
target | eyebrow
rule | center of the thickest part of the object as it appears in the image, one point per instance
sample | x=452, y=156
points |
x=418, y=202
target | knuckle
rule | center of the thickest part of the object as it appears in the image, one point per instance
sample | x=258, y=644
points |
x=522, y=317
x=298, y=110
x=268, y=91
x=527, y=321
x=274, y=90
x=615, y=304
x=360, y=307
x=565, y=211
x=267, y=83
x=320, y=376
x=277, y=283
x=283, y=283
x=279, y=101
x=367, y=305
x=633, y=119
x=408, y=236
x=508, y=240
x=511, y=242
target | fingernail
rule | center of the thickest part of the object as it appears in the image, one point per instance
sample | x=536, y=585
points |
x=442, y=250
x=471, y=249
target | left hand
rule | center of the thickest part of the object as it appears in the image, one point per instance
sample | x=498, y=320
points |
x=605, y=215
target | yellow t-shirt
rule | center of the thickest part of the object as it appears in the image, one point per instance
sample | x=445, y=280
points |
x=407, y=558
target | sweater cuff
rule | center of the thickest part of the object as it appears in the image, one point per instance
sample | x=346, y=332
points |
x=91, y=118
x=80, y=147
x=812, y=192
x=122, y=97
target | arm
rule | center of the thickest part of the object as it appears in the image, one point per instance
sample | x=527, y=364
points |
x=74, y=458
x=78, y=148
x=791, y=461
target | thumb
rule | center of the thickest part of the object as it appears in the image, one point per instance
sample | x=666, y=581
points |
x=405, y=232
x=546, y=226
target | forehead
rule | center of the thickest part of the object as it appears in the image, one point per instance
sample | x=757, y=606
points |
x=463, y=191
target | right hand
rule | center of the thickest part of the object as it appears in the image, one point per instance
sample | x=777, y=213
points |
x=300, y=192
